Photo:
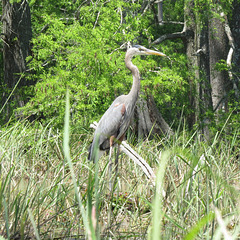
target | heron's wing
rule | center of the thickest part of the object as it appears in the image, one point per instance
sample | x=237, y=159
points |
x=112, y=123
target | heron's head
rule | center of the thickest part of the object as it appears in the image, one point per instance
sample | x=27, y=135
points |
x=140, y=50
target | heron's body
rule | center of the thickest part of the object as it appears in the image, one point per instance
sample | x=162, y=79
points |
x=115, y=121
x=113, y=124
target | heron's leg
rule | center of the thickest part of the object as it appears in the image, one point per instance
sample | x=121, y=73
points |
x=111, y=141
x=118, y=151
x=110, y=182
x=116, y=159
x=116, y=166
x=110, y=170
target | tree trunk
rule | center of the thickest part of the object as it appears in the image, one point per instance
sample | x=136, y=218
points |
x=161, y=125
x=189, y=41
x=203, y=75
x=17, y=34
x=149, y=119
x=210, y=46
x=218, y=50
x=205, y=38
x=197, y=48
x=144, y=122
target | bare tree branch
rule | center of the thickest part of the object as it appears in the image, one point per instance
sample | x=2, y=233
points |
x=173, y=22
x=170, y=36
x=185, y=33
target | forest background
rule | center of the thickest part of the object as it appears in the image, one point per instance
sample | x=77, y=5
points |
x=81, y=45
x=50, y=46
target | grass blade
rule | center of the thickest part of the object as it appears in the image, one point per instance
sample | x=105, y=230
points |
x=66, y=150
x=6, y=217
x=157, y=205
x=33, y=224
x=197, y=227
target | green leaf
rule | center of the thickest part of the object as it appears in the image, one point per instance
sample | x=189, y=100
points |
x=192, y=234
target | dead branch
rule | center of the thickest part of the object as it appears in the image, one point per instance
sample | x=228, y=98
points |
x=170, y=36
x=185, y=33
x=231, y=43
x=173, y=22
x=138, y=160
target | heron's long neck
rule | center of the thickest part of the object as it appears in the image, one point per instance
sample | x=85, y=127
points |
x=136, y=78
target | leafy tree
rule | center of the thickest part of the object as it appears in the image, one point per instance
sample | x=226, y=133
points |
x=78, y=47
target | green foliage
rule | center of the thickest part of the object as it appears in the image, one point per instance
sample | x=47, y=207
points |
x=77, y=56
x=221, y=66
x=82, y=53
x=206, y=10
x=176, y=14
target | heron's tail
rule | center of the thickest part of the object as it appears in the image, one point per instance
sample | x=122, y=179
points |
x=89, y=153
x=93, y=152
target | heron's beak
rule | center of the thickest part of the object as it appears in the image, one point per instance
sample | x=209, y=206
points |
x=151, y=52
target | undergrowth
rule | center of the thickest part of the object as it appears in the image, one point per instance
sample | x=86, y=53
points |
x=48, y=188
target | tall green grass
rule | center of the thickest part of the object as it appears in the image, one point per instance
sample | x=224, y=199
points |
x=48, y=189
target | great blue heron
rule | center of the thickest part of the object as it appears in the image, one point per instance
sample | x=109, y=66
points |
x=115, y=121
